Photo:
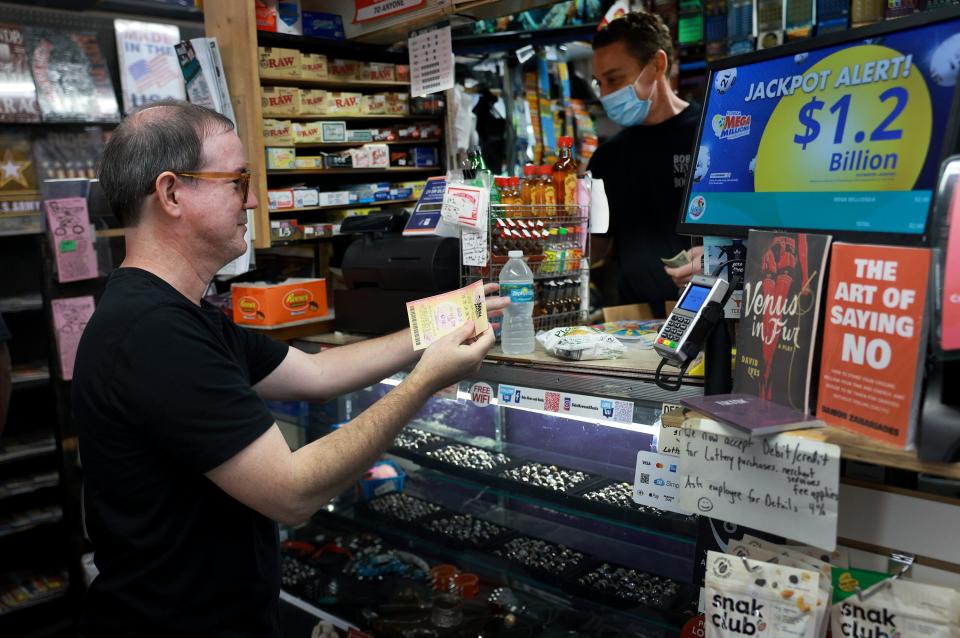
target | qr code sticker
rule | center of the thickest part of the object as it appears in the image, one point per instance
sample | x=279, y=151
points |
x=551, y=401
x=644, y=479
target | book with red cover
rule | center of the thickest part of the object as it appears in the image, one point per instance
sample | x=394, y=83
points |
x=751, y=414
x=779, y=316
x=874, y=341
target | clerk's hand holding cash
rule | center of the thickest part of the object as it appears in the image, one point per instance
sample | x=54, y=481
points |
x=684, y=265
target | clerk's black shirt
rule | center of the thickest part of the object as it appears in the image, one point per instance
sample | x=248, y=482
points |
x=162, y=392
x=4, y=331
x=644, y=169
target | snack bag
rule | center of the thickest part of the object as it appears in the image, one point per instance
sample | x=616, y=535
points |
x=900, y=609
x=580, y=343
x=839, y=557
x=760, y=600
x=825, y=596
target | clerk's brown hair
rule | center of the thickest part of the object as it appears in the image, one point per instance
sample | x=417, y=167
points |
x=643, y=34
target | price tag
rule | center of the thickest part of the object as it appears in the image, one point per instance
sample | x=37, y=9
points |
x=465, y=205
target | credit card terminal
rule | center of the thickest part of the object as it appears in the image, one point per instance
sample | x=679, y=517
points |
x=686, y=329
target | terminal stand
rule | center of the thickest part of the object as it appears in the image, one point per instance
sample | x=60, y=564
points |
x=939, y=426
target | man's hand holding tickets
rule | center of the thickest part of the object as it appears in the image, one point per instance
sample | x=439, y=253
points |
x=434, y=317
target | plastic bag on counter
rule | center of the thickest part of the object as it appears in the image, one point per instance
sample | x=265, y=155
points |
x=580, y=343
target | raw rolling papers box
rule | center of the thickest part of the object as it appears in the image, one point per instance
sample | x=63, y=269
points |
x=267, y=304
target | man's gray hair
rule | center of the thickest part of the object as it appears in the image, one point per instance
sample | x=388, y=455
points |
x=166, y=135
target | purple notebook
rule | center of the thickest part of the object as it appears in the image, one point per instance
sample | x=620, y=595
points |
x=752, y=414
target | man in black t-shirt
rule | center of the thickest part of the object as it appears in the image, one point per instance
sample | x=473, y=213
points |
x=6, y=373
x=185, y=470
x=644, y=166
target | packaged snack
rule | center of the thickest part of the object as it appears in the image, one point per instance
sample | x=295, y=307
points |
x=312, y=101
x=899, y=608
x=375, y=104
x=306, y=132
x=745, y=597
x=279, y=63
x=341, y=103
x=277, y=132
x=313, y=66
x=580, y=343
x=794, y=559
x=343, y=69
x=280, y=100
x=281, y=158
x=378, y=72
x=839, y=557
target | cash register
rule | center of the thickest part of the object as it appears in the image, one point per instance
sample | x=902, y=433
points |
x=383, y=270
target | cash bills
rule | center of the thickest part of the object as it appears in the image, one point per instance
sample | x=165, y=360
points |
x=682, y=258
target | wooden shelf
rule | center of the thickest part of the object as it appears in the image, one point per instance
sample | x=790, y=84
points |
x=305, y=242
x=21, y=451
x=9, y=305
x=288, y=333
x=284, y=211
x=354, y=144
x=349, y=171
x=350, y=118
x=30, y=377
x=860, y=448
x=111, y=232
x=346, y=85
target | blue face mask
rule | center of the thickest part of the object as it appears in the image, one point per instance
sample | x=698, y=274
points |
x=624, y=107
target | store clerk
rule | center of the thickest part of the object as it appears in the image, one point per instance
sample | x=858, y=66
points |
x=644, y=166
x=185, y=469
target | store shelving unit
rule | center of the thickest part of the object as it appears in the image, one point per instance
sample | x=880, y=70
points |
x=603, y=532
x=235, y=28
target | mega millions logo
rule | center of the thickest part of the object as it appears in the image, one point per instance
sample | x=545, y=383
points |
x=732, y=125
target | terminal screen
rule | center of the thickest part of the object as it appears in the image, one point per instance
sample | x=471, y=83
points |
x=693, y=300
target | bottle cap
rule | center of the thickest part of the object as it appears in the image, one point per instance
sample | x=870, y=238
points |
x=546, y=169
x=562, y=232
x=500, y=181
x=529, y=169
x=515, y=253
x=566, y=141
x=514, y=181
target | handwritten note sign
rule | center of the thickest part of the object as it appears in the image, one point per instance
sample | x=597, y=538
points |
x=781, y=484
x=70, y=317
x=68, y=223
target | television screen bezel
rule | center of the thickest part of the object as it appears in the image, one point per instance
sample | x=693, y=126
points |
x=801, y=46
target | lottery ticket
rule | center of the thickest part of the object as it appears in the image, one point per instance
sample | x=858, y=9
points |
x=437, y=316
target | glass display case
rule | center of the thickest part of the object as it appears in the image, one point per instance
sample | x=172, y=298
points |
x=537, y=506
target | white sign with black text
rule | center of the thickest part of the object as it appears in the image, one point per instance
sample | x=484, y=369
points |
x=780, y=484
x=657, y=482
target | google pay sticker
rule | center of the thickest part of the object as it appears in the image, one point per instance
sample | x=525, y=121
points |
x=657, y=483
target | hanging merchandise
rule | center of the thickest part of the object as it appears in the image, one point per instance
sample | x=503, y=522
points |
x=18, y=95
x=149, y=70
x=72, y=78
x=799, y=18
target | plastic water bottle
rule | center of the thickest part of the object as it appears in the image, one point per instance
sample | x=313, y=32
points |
x=516, y=282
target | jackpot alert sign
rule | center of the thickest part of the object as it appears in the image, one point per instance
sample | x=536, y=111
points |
x=845, y=138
